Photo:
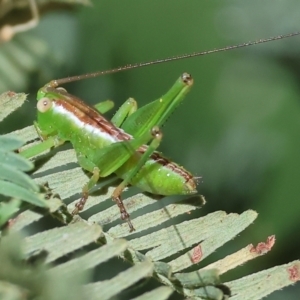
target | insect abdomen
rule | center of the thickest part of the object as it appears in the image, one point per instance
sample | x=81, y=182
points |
x=160, y=176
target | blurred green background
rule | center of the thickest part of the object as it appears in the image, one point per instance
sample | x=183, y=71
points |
x=239, y=127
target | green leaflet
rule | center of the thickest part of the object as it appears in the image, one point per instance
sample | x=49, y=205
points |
x=14, y=183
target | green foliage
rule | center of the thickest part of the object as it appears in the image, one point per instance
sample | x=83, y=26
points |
x=25, y=56
x=26, y=276
x=7, y=210
x=13, y=181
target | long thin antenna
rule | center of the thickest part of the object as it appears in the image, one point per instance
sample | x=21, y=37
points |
x=58, y=82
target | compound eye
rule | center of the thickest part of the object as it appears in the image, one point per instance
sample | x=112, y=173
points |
x=44, y=104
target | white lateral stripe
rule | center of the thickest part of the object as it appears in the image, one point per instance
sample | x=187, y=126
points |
x=89, y=128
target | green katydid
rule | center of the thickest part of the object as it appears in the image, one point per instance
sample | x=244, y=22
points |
x=119, y=146
x=127, y=144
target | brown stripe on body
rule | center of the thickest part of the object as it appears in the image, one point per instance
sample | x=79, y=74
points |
x=89, y=115
x=156, y=156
